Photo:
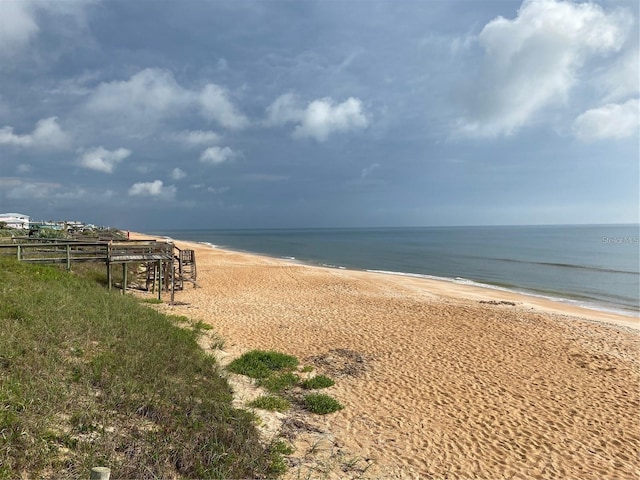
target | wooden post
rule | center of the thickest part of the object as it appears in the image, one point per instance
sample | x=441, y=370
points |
x=68, y=257
x=124, y=278
x=109, y=276
x=173, y=280
x=160, y=279
x=100, y=473
x=19, y=252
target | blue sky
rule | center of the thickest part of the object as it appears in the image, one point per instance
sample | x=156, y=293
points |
x=240, y=114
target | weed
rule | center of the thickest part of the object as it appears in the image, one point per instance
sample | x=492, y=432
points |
x=319, y=381
x=321, y=404
x=279, y=381
x=217, y=343
x=200, y=325
x=278, y=464
x=271, y=403
x=261, y=364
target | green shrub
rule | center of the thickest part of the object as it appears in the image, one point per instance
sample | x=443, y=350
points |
x=271, y=402
x=261, y=364
x=278, y=382
x=277, y=462
x=321, y=404
x=200, y=325
x=319, y=381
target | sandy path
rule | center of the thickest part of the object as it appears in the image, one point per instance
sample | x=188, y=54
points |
x=435, y=383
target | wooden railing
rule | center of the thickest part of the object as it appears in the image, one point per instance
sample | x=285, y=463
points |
x=153, y=254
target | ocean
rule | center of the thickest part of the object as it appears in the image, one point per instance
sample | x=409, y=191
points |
x=595, y=266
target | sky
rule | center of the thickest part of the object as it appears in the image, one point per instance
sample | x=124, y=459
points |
x=198, y=114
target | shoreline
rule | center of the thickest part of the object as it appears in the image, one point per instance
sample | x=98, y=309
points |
x=471, y=290
x=437, y=379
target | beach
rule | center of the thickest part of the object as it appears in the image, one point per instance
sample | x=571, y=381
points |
x=438, y=380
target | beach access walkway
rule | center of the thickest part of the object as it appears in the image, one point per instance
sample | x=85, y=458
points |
x=163, y=265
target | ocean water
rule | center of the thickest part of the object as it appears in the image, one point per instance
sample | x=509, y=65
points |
x=596, y=266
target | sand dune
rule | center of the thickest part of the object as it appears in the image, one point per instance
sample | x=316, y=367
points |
x=435, y=383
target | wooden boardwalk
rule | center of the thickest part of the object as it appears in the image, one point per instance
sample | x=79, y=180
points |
x=166, y=266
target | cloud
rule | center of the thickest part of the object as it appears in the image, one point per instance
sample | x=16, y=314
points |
x=19, y=21
x=17, y=26
x=321, y=117
x=611, y=121
x=47, y=135
x=178, y=173
x=22, y=190
x=218, y=190
x=216, y=106
x=197, y=138
x=217, y=155
x=369, y=170
x=284, y=109
x=153, y=95
x=103, y=160
x=532, y=61
x=621, y=80
x=152, y=189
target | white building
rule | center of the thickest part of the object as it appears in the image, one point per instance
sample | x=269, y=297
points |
x=15, y=220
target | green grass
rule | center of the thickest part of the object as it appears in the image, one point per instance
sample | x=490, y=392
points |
x=321, y=404
x=262, y=364
x=273, y=372
x=90, y=378
x=319, y=381
x=271, y=402
x=279, y=382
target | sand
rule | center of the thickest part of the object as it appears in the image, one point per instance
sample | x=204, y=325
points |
x=436, y=382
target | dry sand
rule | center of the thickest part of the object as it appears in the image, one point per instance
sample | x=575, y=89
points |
x=435, y=383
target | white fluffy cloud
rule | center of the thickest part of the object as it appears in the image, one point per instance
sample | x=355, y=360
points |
x=152, y=189
x=47, y=135
x=103, y=160
x=152, y=95
x=609, y=121
x=320, y=118
x=533, y=61
x=217, y=155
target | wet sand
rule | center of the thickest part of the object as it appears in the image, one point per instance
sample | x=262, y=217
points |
x=438, y=380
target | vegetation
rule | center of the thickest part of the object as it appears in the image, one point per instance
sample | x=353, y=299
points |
x=279, y=382
x=319, y=381
x=273, y=372
x=261, y=364
x=271, y=402
x=90, y=378
x=321, y=404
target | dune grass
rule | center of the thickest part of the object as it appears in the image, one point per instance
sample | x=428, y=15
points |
x=317, y=382
x=273, y=372
x=262, y=364
x=92, y=378
x=321, y=404
x=271, y=402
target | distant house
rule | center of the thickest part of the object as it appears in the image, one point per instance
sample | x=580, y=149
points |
x=15, y=220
